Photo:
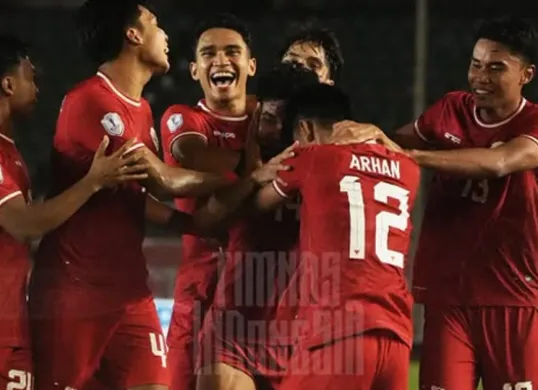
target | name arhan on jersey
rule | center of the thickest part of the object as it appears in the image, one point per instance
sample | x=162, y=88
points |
x=380, y=166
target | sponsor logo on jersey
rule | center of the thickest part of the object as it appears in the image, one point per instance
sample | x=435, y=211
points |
x=222, y=134
x=113, y=124
x=452, y=138
x=174, y=122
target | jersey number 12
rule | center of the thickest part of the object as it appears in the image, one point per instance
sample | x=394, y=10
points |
x=384, y=220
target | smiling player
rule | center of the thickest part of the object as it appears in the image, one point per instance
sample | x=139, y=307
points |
x=209, y=137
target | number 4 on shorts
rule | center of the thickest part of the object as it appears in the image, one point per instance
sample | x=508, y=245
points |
x=158, y=347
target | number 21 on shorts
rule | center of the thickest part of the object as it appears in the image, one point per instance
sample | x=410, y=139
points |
x=19, y=380
x=384, y=220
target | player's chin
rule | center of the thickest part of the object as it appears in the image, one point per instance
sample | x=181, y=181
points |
x=482, y=101
x=163, y=67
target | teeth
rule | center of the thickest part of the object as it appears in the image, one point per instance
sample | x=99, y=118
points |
x=481, y=91
x=222, y=74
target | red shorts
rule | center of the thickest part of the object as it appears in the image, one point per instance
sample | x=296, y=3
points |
x=183, y=345
x=16, y=368
x=375, y=360
x=495, y=344
x=265, y=364
x=122, y=349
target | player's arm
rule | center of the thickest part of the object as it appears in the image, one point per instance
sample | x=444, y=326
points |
x=26, y=222
x=169, y=218
x=421, y=134
x=519, y=154
x=179, y=182
x=226, y=203
x=186, y=138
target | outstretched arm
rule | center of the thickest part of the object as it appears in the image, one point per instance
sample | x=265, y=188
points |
x=26, y=222
x=519, y=154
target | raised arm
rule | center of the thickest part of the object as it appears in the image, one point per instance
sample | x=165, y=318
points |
x=26, y=222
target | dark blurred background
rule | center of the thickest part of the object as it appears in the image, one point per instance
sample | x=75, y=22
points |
x=401, y=55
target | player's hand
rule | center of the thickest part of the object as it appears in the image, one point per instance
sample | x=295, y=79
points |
x=125, y=164
x=348, y=132
x=269, y=172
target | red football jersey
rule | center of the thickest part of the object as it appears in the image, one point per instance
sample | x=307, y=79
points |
x=14, y=258
x=253, y=300
x=355, y=235
x=197, y=271
x=479, y=238
x=99, y=249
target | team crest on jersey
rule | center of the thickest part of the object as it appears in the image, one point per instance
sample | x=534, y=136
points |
x=113, y=124
x=154, y=138
x=174, y=122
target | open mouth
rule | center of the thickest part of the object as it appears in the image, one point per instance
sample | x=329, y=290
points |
x=481, y=92
x=222, y=79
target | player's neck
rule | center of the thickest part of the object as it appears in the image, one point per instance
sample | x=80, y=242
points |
x=6, y=122
x=128, y=76
x=237, y=107
x=322, y=137
x=498, y=114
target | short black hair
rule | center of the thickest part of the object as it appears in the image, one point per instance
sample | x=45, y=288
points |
x=223, y=20
x=324, y=38
x=12, y=51
x=323, y=103
x=101, y=26
x=281, y=82
x=518, y=35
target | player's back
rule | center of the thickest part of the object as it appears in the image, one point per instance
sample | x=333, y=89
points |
x=478, y=239
x=100, y=246
x=355, y=235
x=14, y=255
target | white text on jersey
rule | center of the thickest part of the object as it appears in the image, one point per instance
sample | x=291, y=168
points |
x=376, y=165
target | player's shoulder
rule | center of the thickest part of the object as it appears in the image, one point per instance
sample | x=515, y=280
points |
x=458, y=99
x=529, y=113
x=178, y=115
x=91, y=92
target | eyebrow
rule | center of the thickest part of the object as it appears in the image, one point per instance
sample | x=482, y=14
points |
x=213, y=47
x=491, y=62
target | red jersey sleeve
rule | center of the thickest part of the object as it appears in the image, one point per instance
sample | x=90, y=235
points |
x=179, y=120
x=8, y=187
x=427, y=126
x=289, y=182
x=87, y=118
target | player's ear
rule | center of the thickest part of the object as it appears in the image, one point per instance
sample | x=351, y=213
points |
x=134, y=36
x=306, y=130
x=194, y=71
x=8, y=86
x=252, y=65
x=528, y=74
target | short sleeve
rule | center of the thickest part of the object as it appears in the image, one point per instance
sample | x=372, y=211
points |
x=87, y=118
x=177, y=121
x=427, y=126
x=8, y=187
x=288, y=183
